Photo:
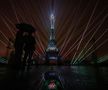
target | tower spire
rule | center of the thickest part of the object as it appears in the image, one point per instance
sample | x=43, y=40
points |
x=52, y=26
x=52, y=20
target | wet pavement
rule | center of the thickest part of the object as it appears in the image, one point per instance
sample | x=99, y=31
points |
x=72, y=77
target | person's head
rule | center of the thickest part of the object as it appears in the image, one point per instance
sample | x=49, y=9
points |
x=25, y=33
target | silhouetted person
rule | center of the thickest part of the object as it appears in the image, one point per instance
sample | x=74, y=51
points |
x=29, y=48
x=19, y=43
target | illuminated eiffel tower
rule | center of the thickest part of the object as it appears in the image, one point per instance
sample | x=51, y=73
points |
x=52, y=50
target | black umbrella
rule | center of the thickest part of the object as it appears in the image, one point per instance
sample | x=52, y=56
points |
x=25, y=27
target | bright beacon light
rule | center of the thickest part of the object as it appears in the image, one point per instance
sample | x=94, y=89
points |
x=52, y=20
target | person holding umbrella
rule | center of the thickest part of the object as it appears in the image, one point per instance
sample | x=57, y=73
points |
x=29, y=48
x=23, y=43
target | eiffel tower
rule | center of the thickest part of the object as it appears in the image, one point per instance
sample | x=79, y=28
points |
x=52, y=56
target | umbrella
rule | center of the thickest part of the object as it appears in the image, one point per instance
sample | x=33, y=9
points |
x=25, y=27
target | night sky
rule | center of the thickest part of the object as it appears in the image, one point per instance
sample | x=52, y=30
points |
x=81, y=25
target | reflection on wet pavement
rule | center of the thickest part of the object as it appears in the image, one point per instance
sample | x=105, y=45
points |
x=73, y=78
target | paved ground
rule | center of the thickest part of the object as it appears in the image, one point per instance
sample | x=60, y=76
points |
x=73, y=78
